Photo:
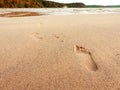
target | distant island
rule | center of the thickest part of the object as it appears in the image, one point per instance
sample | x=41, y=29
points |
x=101, y=6
x=44, y=4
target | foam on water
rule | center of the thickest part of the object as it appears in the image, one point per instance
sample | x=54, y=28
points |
x=64, y=11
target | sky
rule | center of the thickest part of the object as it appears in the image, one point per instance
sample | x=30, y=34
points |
x=92, y=2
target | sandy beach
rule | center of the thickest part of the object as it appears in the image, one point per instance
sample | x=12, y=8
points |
x=67, y=52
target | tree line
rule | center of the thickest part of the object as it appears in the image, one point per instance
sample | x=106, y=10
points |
x=36, y=4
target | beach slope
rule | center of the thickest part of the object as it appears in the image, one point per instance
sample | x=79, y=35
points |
x=72, y=52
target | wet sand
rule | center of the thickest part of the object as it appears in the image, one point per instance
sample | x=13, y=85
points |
x=19, y=14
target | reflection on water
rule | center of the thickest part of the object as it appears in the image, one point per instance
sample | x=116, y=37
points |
x=65, y=11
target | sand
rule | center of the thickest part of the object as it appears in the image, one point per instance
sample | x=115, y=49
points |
x=72, y=52
x=19, y=14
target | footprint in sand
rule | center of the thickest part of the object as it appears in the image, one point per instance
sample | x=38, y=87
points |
x=86, y=58
x=58, y=37
x=36, y=36
x=118, y=55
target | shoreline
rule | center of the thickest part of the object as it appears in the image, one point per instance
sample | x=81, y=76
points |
x=65, y=11
x=19, y=14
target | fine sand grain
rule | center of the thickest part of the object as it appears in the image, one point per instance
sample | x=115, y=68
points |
x=74, y=52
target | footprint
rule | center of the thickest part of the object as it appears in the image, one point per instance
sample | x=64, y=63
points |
x=58, y=37
x=61, y=40
x=118, y=55
x=36, y=36
x=86, y=58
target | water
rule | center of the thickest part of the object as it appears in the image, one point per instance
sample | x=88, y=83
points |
x=65, y=11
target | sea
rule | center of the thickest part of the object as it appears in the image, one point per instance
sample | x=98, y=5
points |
x=63, y=11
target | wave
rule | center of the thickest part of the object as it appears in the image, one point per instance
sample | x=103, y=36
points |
x=64, y=11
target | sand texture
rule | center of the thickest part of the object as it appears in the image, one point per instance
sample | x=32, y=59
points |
x=72, y=52
x=19, y=14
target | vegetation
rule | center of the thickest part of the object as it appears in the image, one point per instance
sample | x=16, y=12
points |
x=45, y=4
x=51, y=4
x=36, y=4
x=75, y=5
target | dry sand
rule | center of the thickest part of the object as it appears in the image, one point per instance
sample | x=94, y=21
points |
x=78, y=52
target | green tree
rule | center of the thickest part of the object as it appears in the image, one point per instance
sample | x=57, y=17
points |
x=26, y=5
x=20, y=5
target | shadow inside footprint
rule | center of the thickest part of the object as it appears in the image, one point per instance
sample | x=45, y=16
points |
x=85, y=57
